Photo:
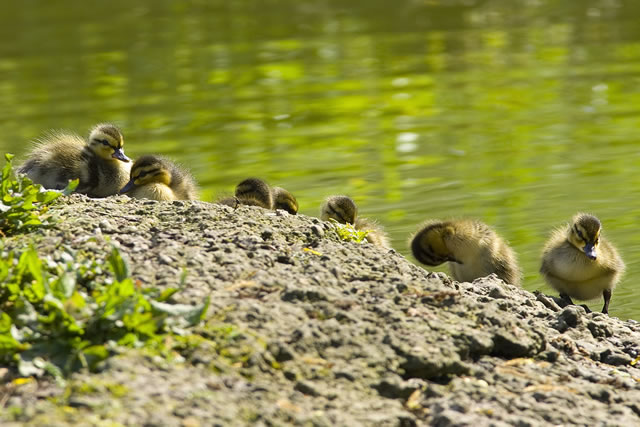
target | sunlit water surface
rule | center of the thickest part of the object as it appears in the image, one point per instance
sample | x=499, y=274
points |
x=517, y=112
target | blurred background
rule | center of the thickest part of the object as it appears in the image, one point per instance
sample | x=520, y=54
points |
x=517, y=112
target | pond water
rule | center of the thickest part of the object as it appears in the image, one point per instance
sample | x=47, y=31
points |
x=517, y=112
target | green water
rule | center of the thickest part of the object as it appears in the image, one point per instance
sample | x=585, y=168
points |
x=518, y=112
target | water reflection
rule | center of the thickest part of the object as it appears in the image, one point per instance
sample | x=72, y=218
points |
x=517, y=112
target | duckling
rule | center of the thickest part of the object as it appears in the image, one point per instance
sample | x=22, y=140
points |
x=250, y=192
x=344, y=210
x=340, y=208
x=254, y=192
x=157, y=178
x=579, y=263
x=99, y=163
x=284, y=200
x=471, y=247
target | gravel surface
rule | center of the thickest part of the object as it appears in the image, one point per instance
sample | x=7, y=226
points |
x=307, y=329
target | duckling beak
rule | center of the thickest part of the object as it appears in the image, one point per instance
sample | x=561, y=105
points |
x=127, y=187
x=590, y=250
x=119, y=154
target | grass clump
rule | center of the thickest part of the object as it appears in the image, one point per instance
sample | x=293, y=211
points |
x=22, y=202
x=348, y=232
x=51, y=323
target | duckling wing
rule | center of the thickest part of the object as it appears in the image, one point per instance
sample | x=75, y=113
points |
x=55, y=160
x=376, y=235
x=182, y=183
x=610, y=257
x=505, y=265
x=610, y=261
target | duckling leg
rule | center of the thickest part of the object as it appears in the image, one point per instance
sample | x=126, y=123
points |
x=566, y=298
x=606, y=294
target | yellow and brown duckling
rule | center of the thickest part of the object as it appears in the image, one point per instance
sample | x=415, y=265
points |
x=157, y=178
x=284, y=200
x=344, y=210
x=256, y=192
x=579, y=263
x=472, y=248
x=339, y=208
x=99, y=163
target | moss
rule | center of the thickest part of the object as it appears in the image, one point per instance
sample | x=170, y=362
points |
x=348, y=232
x=96, y=386
x=14, y=413
x=249, y=415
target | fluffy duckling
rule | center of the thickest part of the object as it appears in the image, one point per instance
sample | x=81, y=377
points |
x=471, y=247
x=99, y=163
x=340, y=208
x=579, y=263
x=344, y=210
x=250, y=192
x=256, y=192
x=284, y=200
x=155, y=177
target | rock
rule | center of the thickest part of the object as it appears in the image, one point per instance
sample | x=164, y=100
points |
x=317, y=230
x=572, y=315
x=305, y=328
x=616, y=358
x=306, y=387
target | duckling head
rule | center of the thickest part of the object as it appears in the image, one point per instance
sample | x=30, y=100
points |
x=106, y=141
x=256, y=192
x=148, y=170
x=428, y=245
x=284, y=200
x=340, y=208
x=584, y=234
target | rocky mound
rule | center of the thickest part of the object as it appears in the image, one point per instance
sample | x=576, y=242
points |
x=306, y=328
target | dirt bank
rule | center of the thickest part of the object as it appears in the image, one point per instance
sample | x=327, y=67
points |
x=304, y=328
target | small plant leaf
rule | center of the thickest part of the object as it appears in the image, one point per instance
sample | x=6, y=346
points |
x=118, y=265
x=71, y=187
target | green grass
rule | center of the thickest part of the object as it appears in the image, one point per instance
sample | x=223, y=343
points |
x=49, y=323
x=348, y=232
x=23, y=204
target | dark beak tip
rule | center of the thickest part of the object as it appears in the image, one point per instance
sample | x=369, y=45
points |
x=119, y=154
x=591, y=255
x=127, y=187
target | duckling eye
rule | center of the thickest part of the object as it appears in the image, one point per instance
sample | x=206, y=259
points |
x=142, y=174
x=104, y=142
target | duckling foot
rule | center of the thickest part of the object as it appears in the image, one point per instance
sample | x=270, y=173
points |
x=587, y=309
x=606, y=294
x=568, y=301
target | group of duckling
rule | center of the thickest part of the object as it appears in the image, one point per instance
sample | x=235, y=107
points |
x=576, y=261
x=103, y=169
